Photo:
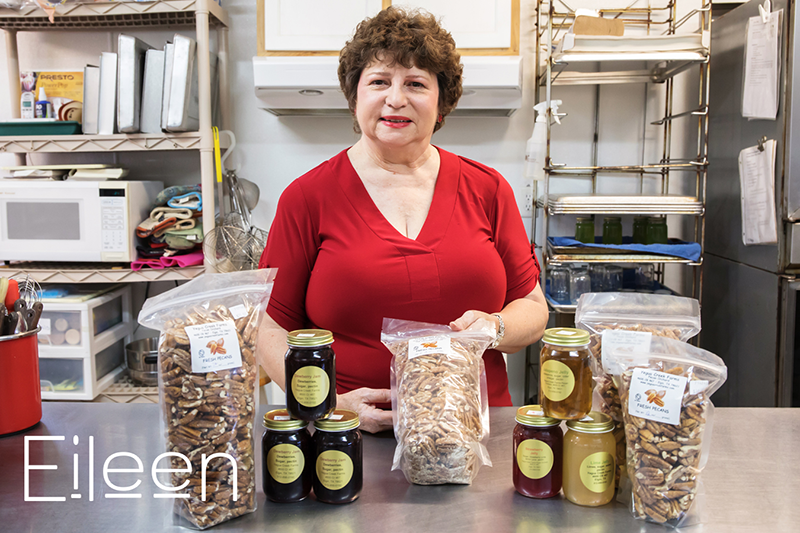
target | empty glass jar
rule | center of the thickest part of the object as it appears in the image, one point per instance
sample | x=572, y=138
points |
x=559, y=285
x=579, y=283
x=612, y=278
x=645, y=277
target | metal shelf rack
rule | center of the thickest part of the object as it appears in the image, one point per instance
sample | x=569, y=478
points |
x=555, y=68
x=105, y=16
x=552, y=19
x=96, y=272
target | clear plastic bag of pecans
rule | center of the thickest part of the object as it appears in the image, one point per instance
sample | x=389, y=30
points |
x=207, y=379
x=646, y=315
x=665, y=391
x=439, y=400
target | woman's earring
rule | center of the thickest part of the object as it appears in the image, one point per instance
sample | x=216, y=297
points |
x=439, y=120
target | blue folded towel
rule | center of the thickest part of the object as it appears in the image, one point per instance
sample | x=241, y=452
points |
x=676, y=248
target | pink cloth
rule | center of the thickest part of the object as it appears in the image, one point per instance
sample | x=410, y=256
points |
x=186, y=260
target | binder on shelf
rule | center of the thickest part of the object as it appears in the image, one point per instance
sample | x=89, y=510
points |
x=131, y=53
x=107, y=107
x=169, y=55
x=152, y=91
x=91, y=99
x=184, y=99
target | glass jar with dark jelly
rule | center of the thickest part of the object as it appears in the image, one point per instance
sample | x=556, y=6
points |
x=287, y=457
x=310, y=374
x=339, y=471
x=538, y=442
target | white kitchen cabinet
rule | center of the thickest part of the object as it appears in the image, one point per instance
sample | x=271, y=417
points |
x=322, y=27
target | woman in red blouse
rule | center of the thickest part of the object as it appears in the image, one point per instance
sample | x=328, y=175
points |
x=396, y=227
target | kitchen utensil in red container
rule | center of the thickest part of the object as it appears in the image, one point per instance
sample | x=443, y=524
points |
x=20, y=391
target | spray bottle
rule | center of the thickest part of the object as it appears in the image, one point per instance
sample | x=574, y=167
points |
x=537, y=144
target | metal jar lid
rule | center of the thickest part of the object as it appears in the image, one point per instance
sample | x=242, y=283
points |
x=339, y=420
x=613, y=219
x=594, y=422
x=566, y=336
x=656, y=220
x=533, y=415
x=305, y=338
x=279, y=419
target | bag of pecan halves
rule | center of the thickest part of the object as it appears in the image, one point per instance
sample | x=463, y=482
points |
x=665, y=390
x=207, y=378
x=440, y=401
x=618, y=318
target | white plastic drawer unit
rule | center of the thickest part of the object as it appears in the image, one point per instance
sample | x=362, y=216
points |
x=81, y=378
x=81, y=327
x=82, y=344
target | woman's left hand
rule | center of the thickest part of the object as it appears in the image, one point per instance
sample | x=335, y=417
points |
x=470, y=317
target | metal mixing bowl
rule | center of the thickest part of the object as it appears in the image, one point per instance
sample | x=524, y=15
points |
x=141, y=358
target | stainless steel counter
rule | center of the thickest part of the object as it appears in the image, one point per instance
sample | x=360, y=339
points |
x=752, y=483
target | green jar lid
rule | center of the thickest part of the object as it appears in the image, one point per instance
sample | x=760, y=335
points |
x=339, y=420
x=304, y=338
x=566, y=336
x=533, y=415
x=280, y=420
x=594, y=422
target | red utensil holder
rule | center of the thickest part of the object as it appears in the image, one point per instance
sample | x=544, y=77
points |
x=20, y=391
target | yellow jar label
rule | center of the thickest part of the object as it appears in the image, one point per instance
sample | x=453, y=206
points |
x=310, y=386
x=334, y=469
x=558, y=381
x=285, y=463
x=597, y=472
x=535, y=458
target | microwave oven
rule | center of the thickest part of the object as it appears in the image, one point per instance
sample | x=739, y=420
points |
x=73, y=220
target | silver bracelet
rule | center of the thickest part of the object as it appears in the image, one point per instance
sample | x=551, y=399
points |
x=501, y=331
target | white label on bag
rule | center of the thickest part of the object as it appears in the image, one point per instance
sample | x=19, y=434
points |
x=214, y=346
x=44, y=323
x=615, y=338
x=438, y=344
x=238, y=311
x=656, y=396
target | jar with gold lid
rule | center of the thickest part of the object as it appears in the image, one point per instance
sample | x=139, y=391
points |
x=589, y=464
x=287, y=457
x=565, y=384
x=538, y=442
x=339, y=472
x=310, y=366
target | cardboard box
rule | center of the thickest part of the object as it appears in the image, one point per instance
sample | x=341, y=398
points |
x=597, y=26
x=62, y=88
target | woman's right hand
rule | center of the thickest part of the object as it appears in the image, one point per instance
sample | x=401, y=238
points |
x=363, y=401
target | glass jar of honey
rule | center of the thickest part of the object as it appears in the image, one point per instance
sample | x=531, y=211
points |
x=565, y=384
x=339, y=471
x=538, y=442
x=589, y=465
x=310, y=374
x=287, y=457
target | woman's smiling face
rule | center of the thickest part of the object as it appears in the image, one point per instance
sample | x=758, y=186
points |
x=397, y=106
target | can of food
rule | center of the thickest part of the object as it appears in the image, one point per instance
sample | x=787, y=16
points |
x=310, y=374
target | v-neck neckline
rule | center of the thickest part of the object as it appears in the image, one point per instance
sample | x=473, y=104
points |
x=439, y=213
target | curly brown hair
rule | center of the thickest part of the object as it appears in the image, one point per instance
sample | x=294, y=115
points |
x=413, y=39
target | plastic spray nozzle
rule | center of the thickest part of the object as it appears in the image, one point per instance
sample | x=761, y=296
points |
x=541, y=110
x=42, y=95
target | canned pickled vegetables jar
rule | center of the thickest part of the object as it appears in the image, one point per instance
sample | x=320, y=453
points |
x=287, y=457
x=589, y=465
x=339, y=472
x=565, y=384
x=310, y=374
x=538, y=441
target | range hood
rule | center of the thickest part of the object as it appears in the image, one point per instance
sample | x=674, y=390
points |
x=309, y=86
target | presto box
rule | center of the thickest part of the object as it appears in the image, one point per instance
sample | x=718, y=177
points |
x=64, y=90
